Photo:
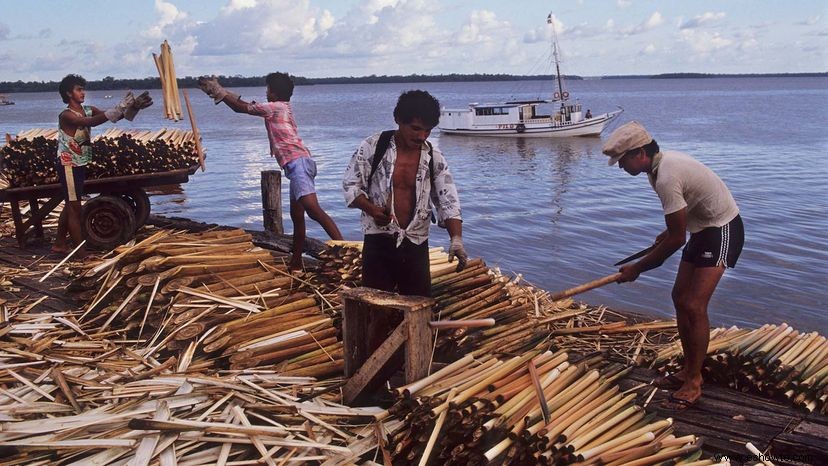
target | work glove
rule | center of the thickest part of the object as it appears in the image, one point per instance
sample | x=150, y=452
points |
x=117, y=112
x=141, y=102
x=211, y=86
x=456, y=249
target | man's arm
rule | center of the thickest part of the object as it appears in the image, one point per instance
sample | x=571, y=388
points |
x=674, y=239
x=71, y=120
x=235, y=102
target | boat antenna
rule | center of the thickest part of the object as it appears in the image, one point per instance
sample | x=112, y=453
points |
x=555, y=54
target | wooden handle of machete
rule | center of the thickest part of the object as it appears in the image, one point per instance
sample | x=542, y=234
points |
x=586, y=286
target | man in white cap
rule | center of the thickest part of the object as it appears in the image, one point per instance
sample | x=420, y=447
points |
x=693, y=198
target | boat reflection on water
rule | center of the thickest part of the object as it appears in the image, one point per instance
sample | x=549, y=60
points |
x=549, y=164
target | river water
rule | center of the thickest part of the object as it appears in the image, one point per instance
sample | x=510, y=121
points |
x=551, y=209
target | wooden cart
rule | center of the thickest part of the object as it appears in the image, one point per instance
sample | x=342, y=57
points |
x=109, y=219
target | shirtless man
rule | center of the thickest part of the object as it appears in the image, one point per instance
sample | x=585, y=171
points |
x=394, y=177
x=395, y=194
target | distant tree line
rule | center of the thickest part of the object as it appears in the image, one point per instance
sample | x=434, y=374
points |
x=111, y=83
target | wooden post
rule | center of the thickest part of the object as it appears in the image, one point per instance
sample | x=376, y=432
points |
x=362, y=362
x=272, y=201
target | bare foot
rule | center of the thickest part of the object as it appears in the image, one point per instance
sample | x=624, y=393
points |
x=295, y=264
x=57, y=249
x=684, y=397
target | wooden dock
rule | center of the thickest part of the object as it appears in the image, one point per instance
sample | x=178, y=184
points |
x=725, y=418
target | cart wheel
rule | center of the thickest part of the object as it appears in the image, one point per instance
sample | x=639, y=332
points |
x=108, y=222
x=138, y=200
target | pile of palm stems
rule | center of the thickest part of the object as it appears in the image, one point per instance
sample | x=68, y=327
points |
x=192, y=349
x=29, y=159
x=524, y=316
x=773, y=360
x=169, y=82
x=483, y=409
x=198, y=348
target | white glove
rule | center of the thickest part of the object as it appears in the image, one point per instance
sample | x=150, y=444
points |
x=456, y=249
x=211, y=87
x=117, y=112
x=141, y=102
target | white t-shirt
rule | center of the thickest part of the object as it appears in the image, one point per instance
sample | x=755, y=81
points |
x=682, y=181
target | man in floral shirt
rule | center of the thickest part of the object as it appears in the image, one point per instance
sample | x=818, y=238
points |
x=396, y=200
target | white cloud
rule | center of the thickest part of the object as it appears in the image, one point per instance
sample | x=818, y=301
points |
x=623, y=3
x=235, y=5
x=810, y=21
x=483, y=26
x=653, y=21
x=704, y=42
x=169, y=15
x=702, y=20
x=649, y=49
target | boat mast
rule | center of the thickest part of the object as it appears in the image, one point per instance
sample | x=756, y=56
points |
x=549, y=19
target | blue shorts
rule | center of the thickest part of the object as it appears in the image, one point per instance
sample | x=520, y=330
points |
x=71, y=180
x=301, y=173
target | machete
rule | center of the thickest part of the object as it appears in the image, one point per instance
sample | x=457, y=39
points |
x=635, y=256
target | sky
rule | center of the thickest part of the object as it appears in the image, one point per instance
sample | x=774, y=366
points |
x=44, y=40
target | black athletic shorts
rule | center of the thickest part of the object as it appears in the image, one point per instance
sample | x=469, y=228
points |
x=716, y=246
x=71, y=180
x=404, y=269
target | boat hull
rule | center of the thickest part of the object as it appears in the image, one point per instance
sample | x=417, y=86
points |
x=585, y=128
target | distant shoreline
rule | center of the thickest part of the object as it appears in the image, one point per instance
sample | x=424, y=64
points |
x=110, y=83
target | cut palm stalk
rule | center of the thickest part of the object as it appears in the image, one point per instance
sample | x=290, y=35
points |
x=62, y=261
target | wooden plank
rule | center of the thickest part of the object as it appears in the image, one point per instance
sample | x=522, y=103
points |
x=100, y=185
x=418, y=344
x=355, y=385
x=354, y=335
x=808, y=439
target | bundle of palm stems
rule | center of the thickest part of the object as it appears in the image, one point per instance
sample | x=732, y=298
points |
x=169, y=82
x=773, y=360
x=541, y=407
x=29, y=159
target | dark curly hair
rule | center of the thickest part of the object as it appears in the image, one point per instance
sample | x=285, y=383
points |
x=417, y=104
x=68, y=83
x=280, y=84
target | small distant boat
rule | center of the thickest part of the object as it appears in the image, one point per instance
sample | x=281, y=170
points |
x=526, y=118
x=4, y=100
x=107, y=96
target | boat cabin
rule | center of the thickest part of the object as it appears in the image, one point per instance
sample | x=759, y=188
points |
x=512, y=115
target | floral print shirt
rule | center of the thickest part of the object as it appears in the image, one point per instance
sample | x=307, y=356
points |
x=75, y=151
x=285, y=143
x=443, y=196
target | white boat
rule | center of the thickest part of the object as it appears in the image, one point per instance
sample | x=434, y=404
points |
x=5, y=100
x=565, y=118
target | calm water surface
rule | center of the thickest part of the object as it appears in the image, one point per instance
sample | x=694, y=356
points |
x=551, y=209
